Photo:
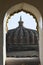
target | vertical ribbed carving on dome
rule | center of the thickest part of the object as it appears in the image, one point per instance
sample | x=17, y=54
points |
x=16, y=35
x=32, y=37
x=36, y=37
x=21, y=35
x=26, y=36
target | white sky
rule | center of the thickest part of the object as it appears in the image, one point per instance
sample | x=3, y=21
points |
x=29, y=21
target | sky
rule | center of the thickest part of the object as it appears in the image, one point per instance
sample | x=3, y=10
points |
x=29, y=21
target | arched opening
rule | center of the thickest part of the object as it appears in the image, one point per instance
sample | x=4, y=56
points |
x=28, y=8
x=29, y=20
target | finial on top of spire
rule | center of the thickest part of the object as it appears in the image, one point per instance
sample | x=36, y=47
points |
x=20, y=18
x=20, y=22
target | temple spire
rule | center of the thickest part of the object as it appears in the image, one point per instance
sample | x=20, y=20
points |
x=20, y=22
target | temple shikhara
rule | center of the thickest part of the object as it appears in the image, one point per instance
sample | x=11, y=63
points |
x=23, y=43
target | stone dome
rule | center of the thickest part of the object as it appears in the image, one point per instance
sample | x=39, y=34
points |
x=21, y=36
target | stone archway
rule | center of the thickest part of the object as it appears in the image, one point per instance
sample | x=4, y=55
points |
x=26, y=7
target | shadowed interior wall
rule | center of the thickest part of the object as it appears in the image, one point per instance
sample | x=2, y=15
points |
x=4, y=6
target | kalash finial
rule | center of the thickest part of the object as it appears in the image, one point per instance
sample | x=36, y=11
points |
x=20, y=22
x=20, y=18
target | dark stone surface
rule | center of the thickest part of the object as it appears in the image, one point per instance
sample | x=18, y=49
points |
x=22, y=39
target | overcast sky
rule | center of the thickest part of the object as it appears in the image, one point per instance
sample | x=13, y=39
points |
x=29, y=21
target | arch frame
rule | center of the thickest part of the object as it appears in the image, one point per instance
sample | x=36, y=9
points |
x=16, y=8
